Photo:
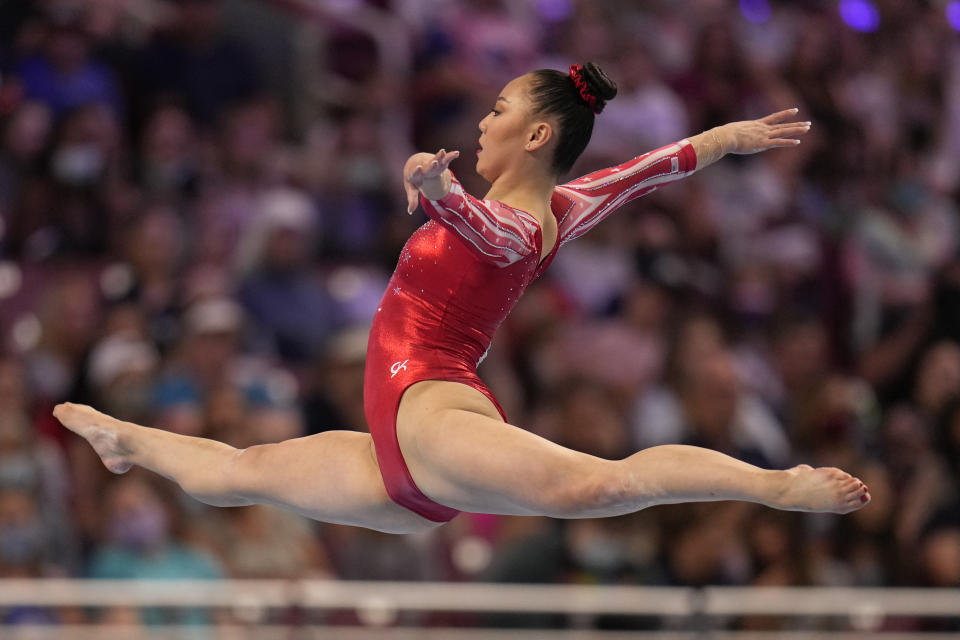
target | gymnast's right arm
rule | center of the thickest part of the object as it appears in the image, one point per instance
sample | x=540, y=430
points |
x=428, y=173
x=492, y=231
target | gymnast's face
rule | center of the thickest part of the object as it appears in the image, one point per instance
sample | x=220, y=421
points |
x=506, y=130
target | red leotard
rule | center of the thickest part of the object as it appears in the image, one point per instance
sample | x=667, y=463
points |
x=458, y=277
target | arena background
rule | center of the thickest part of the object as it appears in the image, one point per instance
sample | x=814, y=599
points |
x=200, y=205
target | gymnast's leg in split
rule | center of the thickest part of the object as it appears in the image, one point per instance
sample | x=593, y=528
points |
x=461, y=454
x=331, y=476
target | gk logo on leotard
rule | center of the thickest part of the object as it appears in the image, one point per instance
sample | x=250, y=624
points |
x=397, y=366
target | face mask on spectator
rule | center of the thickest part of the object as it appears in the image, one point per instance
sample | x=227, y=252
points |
x=165, y=176
x=20, y=544
x=78, y=164
x=140, y=529
x=19, y=469
x=363, y=173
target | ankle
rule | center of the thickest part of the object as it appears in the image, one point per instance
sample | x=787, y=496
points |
x=778, y=484
x=124, y=433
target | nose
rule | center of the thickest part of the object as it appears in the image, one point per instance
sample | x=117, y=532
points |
x=483, y=124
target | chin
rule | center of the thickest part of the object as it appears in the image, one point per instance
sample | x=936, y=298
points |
x=487, y=170
x=483, y=172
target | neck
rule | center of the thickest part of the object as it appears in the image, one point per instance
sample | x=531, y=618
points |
x=528, y=191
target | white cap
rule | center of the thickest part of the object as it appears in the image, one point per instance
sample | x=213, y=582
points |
x=213, y=315
x=119, y=354
x=288, y=208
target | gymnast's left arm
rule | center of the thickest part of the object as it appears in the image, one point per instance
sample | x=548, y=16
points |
x=595, y=196
x=749, y=136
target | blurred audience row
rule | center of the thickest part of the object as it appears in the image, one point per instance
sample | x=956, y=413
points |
x=181, y=246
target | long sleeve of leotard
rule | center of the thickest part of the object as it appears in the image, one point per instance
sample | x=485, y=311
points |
x=595, y=196
x=492, y=231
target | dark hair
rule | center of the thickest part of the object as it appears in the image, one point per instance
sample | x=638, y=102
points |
x=556, y=94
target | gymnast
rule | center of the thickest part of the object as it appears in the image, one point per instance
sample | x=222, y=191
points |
x=439, y=442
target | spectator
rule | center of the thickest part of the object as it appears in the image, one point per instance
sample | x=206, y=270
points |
x=286, y=299
x=24, y=552
x=63, y=75
x=718, y=414
x=25, y=138
x=647, y=114
x=334, y=399
x=264, y=542
x=195, y=60
x=169, y=155
x=138, y=544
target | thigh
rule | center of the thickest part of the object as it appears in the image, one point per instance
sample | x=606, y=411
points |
x=463, y=455
x=331, y=477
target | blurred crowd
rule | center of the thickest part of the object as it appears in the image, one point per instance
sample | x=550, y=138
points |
x=193, y=238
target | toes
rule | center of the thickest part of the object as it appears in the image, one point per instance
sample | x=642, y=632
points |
x=857, y=489
x=854, y=495
x=859, y=498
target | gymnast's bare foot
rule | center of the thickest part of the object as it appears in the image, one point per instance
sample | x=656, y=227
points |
x=824, y=489
x=104, y=433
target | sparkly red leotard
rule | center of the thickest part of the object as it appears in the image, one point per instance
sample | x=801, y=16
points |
x=458, y=277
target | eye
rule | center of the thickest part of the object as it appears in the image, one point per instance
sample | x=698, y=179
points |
x=494, y=112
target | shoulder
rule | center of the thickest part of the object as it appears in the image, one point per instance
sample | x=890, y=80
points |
x=516, y=222
x=502, y=210
x=562, y=200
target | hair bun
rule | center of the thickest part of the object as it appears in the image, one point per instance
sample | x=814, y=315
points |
x=593, y=83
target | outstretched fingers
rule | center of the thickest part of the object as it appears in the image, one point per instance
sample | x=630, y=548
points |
x=791, y=130
x=781, y=142
x=779, y=116
x=411, y=187
x=440, y=162
x=433, y=168
x=786, y=135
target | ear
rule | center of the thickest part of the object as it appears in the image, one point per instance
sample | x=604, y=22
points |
x=539, y=135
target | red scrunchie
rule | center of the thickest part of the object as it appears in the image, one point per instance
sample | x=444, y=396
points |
x=576, y=73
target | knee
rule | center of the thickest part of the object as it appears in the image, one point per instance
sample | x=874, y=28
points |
x=598, y=493
x=217, y=484
x=237, y=476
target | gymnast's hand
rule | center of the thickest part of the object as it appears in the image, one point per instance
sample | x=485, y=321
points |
x=779, y=129
x=427, y=173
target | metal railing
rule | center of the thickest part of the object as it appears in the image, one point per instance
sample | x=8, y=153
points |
x=865, y=606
